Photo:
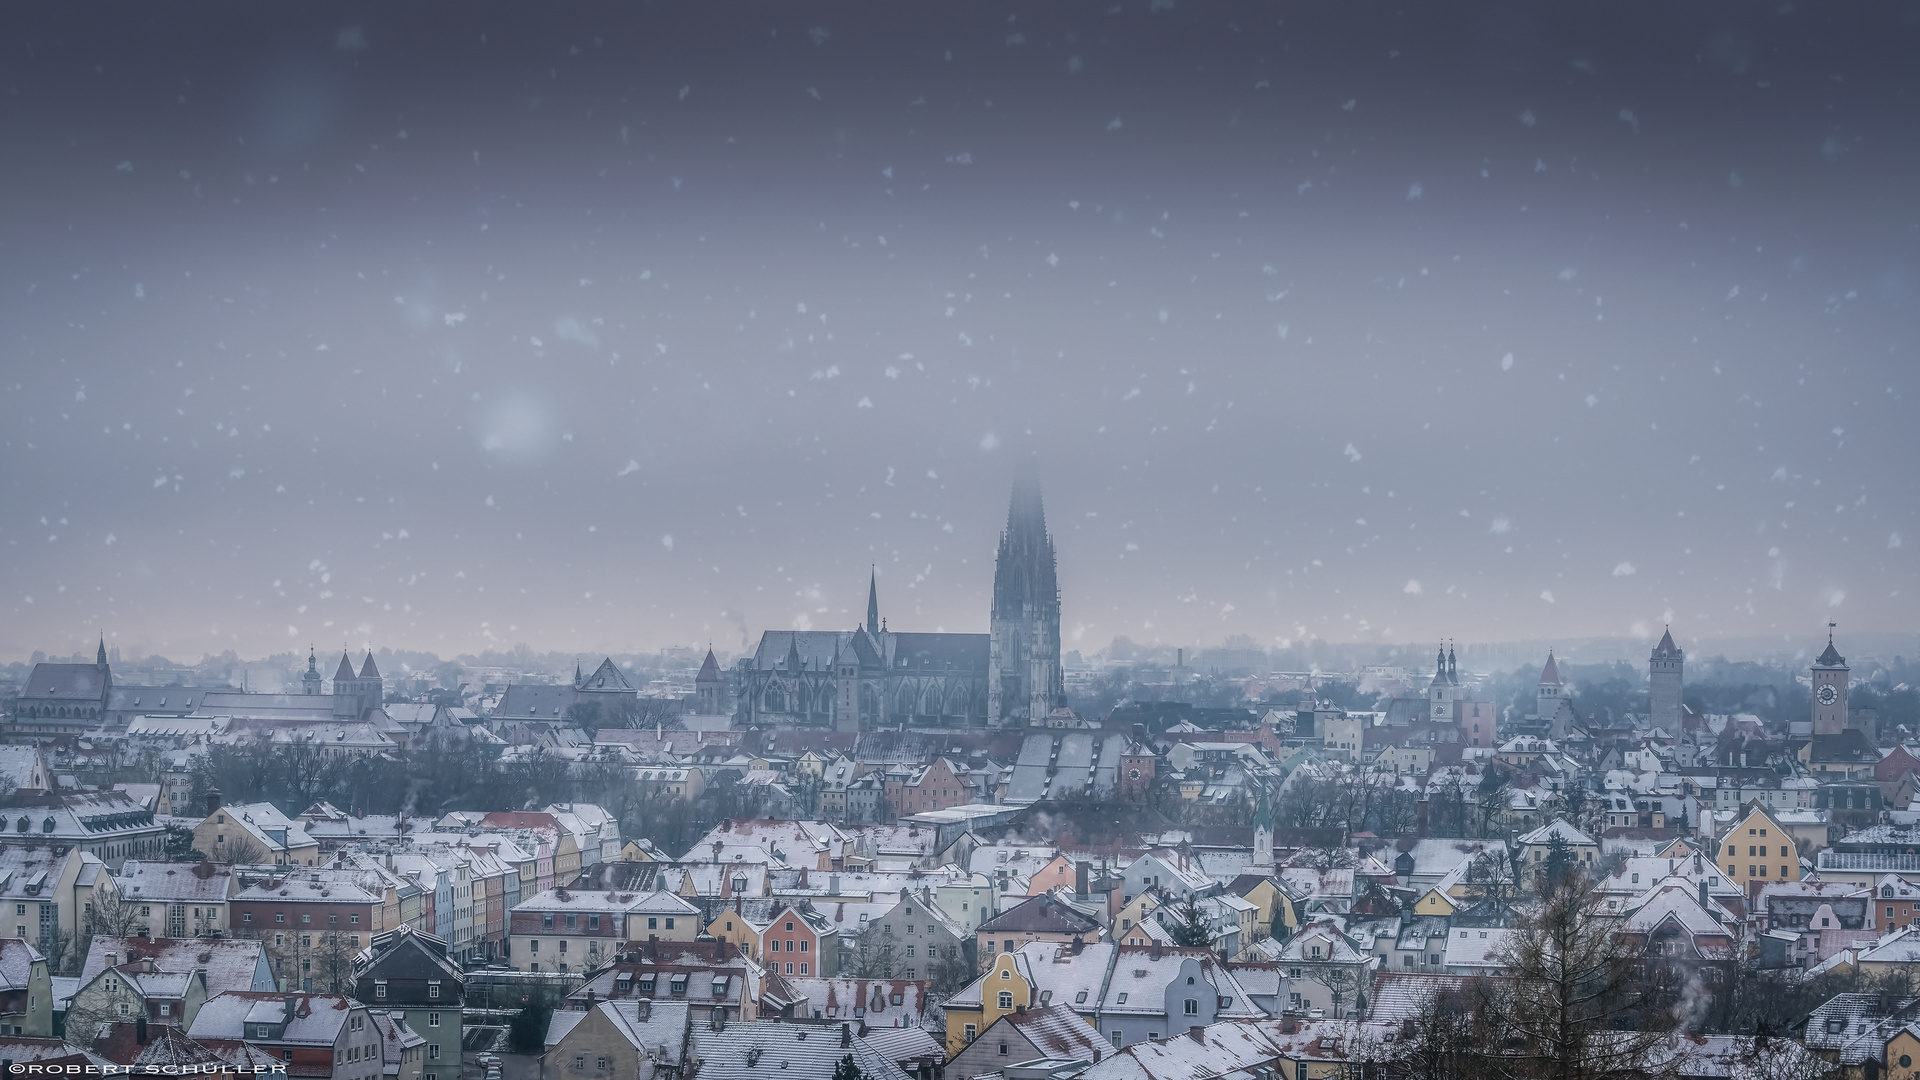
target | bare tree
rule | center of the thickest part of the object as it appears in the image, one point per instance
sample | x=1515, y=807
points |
x=1573, y=986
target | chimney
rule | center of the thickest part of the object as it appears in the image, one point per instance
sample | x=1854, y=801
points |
x=1096, y=1055
x=846, y=1035
x=213, y=799
x=1197, y=1034
x=1154, y=952
x=1080, y=872
x=289, y=1001
x=1078, y=944
x=140, y=1030
x=717, y=845
x=1703, y=897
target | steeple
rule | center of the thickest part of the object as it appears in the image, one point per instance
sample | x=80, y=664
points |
x=310, y=679
x=1453, y=674
x=1550, y=675
x=345, y=670
x=1023, y=677
x=100, y=658
x=873, y=603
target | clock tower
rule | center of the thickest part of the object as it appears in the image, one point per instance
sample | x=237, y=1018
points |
x=1829, y=690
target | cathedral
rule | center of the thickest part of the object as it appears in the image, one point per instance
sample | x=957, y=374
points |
x=873, y=676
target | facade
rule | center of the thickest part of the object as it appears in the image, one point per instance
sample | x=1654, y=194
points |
x=310, y=920
x=1024, y=682
x=1758, y=849
x=108, y=825
x=1666, y=675
x=137, y=990
x=64, y=699
x=176, y=900
x=1041, y=918
x=410, y=972
x=315, y=1035
x=26, y=990
x=619, y=1040
x=252, y=833
x=44, y=894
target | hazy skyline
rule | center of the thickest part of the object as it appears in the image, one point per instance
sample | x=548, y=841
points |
x=604, y=328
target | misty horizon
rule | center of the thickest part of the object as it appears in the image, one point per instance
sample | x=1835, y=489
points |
x=449, y=330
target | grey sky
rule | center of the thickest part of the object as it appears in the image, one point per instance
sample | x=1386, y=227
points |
x=454, y=330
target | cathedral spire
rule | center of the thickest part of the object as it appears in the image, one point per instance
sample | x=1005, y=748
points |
x=100, y=657
x=873, y=602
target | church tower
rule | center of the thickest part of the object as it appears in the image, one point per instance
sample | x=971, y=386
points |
x=310, y=681
x=1263, y=833
x=1023, y=664
x=1666, y=670
x=1549, y=693
x=1829, y=690
x=346, y=690
x=709, y=691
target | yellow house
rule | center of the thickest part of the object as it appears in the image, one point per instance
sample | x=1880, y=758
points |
x=1903, y=1055
x=1266, y=894
x=1007, y=985
x=1139, y=908
x=1758, y=849
x=734, y=927
x=1434, y=901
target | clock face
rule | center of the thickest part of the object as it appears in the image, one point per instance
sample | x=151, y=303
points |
x=1828, y=694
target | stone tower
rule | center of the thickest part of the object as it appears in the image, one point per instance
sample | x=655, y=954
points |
x=1023, y=664
x=709, y=690
x=1666, y=670
x=354, y=694
x=1549, y=693
x=1829, y=690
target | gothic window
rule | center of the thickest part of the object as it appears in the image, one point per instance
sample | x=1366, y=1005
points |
x=776, y=701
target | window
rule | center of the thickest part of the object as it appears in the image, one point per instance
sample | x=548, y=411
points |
x=669, y=922
x=570, y=920
x=600, y=1063
x=1003, y=1048
x=433, y=988
x=353, y=920
x=1191, y=1007
x=433, y=1019
x=546, y=920
x=433, y=1050
x=593, y=922
x=1122, y=999
x=804, y=943
x=279, y=916
x=970, y=1031
x=246, y=916
x=379, y=989
x=803, y=969
x=579, y=1063
x=653, y=924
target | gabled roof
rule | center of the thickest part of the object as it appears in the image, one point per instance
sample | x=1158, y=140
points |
x=367, y=670
x=230, y=963
x=606, y=677
x=1042, y=915
x=1560, y=828
x=345, y=670
x=16, y=963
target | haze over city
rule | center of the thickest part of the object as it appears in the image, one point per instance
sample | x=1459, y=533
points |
x=446, y=328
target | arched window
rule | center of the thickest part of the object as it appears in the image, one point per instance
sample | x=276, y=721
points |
x=1006, y=999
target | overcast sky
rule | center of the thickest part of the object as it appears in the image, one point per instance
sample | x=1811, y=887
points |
x=451, y=327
